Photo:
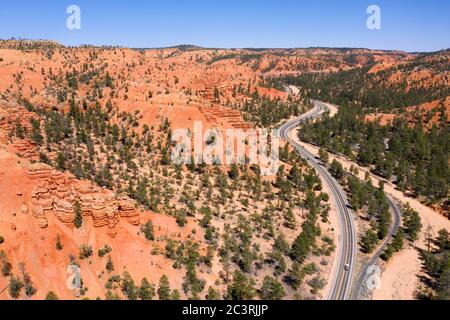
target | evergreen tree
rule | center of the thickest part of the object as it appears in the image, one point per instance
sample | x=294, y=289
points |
x=324, y=156
x=6, y=265
x=129, y=287
x=78, y=219
x=36, y=133
x=398, y=242
x=164, y=288
x=234, y=172
x=59, y=245
x=289, y=219
x=337, y=170
x=213, y=294
x=296, y=275
x=148, y=231
x=146, y=290
x=20, y=131
x=15, y=287
x=369, y=241
x=301, y=248
x=28, y=285
x=272, y=289
x=443, y=240
x=412, y=223
x=109, y=265
x=61, y=161
x=242, y=287
x=175, y=295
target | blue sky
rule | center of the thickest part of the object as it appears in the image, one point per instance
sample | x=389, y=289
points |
x=409, y=25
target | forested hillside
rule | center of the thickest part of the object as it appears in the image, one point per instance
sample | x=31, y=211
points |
x=410, y=83
x=415, y=159
x=412, y=150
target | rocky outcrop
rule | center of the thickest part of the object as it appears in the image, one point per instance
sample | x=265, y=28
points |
x=128, y=210
x=56, y=194
x=4, y=126
x=25, y=148
x=10, y=115
x=232, y=117
x=40, y=217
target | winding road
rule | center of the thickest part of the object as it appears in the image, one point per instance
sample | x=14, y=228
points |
x=343, y=279
x=342, y=282
x=361, y=283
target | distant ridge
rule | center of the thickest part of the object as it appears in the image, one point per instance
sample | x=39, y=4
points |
x=186, y=47
x=26, y=44
x=35, y=44
x=181, y=47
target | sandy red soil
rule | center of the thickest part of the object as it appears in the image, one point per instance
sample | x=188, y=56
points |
x=182, y=86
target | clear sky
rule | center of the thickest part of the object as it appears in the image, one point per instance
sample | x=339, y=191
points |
x=409, y=25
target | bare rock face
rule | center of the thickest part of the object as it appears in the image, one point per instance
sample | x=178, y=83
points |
x=24, y=209
x=57, y=194
x=25, y=148
x=40, y=217
x=64, y=211
x=4, y=126
x=231, y=117
x=10, y=115
x=127, y=210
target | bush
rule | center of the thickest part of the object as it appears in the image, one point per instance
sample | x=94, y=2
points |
x=181, y=219
x=15, y=287
x=85, y=251
x=59, y=245
x=104, y=251
x=316, y=284
x=6, y=265
x=311, y=269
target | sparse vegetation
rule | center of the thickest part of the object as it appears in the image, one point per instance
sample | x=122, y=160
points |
x=268, y=238
x=85, y=252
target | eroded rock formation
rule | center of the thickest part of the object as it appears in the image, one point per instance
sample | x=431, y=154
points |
x=55, y=193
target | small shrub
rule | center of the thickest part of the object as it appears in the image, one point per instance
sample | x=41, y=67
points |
x=85, y=252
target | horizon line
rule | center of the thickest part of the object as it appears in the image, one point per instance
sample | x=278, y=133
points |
x=199, y=47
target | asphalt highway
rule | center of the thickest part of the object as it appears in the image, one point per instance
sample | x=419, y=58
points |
x=344, y=287
x=343, y=278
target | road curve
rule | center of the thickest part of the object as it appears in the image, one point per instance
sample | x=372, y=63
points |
x=361, y=282
x=342, y=288
x=343, y=279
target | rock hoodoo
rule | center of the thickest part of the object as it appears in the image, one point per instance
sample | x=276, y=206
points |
x=57, y=194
